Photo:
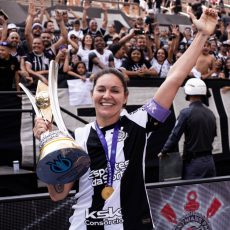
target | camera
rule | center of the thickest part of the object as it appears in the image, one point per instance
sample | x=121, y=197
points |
x=171, y=37
x=139, y=32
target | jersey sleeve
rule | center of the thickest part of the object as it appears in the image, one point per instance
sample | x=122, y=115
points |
x=156, y=111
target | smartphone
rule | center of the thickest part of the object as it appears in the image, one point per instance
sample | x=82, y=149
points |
x=3, y=14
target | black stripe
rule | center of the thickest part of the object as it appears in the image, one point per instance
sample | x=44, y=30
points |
x=223, y=121
x=98, y=161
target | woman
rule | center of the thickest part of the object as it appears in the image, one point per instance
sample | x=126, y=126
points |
x=135, y=65
x=116, y=198
x=85, y=49
x=161, y=62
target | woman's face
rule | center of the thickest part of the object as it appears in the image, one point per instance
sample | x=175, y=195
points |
x=81, y=69
x=88, y=40
x=160, y=55
x=136, y=56
x=109, y=97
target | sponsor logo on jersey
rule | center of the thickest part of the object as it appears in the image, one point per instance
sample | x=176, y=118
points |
x=103, y=217
x=99, y=176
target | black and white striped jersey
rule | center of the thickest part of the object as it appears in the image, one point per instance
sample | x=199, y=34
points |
x=127, y=207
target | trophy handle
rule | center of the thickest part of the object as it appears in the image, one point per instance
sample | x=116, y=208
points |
x=52, y=82
x=32, y=100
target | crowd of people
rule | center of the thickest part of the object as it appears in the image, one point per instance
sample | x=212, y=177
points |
x=82, y=47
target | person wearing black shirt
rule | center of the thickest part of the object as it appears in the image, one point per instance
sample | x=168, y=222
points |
x=9, y=67
x=198, y=123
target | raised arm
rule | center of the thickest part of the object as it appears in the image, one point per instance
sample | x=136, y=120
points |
x=64, y=33
x=105, y=18
x=3, y=22
x=86, y=6
x=179, y=71
x=29, y=23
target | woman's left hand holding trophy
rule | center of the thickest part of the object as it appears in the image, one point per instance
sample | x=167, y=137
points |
x=61, y=160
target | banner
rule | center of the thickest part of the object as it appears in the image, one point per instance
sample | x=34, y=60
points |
x=198, y=205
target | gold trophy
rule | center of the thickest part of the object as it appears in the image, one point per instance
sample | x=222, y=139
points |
x=61, y=160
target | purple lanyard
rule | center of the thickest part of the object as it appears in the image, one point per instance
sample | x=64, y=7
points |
x=112, y=160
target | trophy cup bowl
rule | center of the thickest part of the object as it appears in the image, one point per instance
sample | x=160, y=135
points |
x=60, y=160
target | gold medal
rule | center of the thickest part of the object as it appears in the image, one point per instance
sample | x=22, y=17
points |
x=107, y=192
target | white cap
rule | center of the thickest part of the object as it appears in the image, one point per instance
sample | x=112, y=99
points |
x=11, y=26
x=37, y=24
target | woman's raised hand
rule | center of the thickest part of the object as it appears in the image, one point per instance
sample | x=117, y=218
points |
x=207, y=22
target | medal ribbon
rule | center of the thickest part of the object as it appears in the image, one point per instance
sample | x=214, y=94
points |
x=110, y=161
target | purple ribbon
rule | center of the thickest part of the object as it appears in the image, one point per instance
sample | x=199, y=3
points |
x=110, y=161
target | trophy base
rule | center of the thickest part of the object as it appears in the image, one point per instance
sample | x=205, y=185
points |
x=63, y=166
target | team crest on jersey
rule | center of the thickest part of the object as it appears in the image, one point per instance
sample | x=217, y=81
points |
x=192, y=219
x=122, y=135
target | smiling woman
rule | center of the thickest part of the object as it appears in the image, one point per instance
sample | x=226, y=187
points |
x=112, y=192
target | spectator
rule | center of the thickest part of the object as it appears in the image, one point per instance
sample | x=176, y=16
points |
x=213, y=47
x=136, y=65
x=32, y=29
x=198, y=123
x=77, y=29
x=150, y=17
x=92, y=29
x=9, y=67
x=218, y=69
x=143, y=42
x=118, y=54
x=100, y=58
x=60, y=59
x=37, y=62
x=204, y=67
x=110, y=35
x=78, y=71
x=223, y=51
x=66, y=20
x=12, y=28
x=187, y=36
x=73, y=42
x=85, y=49
x=226, y=68
x=17, y=51
x=162, y=61
x=50, y=28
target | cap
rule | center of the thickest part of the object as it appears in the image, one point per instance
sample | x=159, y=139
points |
x=5, y=44
x=37, y=24
x=11, y=26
